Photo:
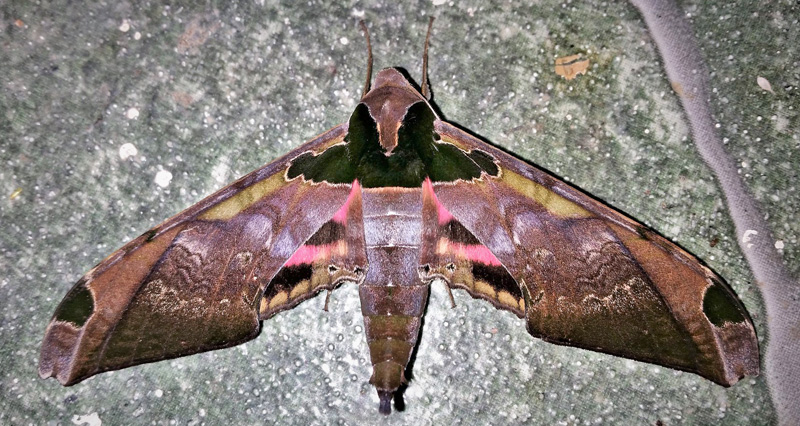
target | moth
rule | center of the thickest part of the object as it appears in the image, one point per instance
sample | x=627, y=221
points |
x=392, y=200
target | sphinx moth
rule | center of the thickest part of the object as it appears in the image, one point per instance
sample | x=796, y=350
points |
x=392, y=200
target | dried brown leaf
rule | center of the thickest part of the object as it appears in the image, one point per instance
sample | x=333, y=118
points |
x=570, y=66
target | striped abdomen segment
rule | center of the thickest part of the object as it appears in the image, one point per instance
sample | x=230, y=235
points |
x=392, y=318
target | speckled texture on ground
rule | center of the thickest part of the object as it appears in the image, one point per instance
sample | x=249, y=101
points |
x=210, y=92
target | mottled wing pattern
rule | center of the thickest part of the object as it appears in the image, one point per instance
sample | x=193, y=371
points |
x=193, y=283
x=594, y=278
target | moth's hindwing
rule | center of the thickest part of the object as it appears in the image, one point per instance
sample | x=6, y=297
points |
x=452, y=252
x=334, y=254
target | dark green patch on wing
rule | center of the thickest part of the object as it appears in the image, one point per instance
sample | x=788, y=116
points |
x=720, y=307
x=150, y=235
x=485, y=162
x=77, y=306
x=416, y=156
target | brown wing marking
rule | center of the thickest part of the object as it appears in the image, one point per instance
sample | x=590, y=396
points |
x=194, y=282
x=335, y=253
x=452, y=252
x=594, y=278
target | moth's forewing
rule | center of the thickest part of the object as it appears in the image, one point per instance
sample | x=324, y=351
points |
x=195, y=282
x=594, y=278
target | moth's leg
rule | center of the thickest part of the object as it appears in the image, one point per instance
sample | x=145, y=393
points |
x=447, y=285
x=450, y=293
x=327, y=301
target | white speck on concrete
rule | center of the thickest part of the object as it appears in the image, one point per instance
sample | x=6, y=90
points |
x=220, y=171
x=125, y=26
x=127, y=150
x=779, y=244
x=764, y=84
x=158, y=393
x=89, y=419
x=132, y=113
x=748, y=236
x=137, y=35
x=344, y=41
x=439, y=2
x=163, y=178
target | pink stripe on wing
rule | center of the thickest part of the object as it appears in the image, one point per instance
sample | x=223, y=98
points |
x=475, y=253
x=341, y=215
x=307, y=254
x=444, y=215
x=478, y=253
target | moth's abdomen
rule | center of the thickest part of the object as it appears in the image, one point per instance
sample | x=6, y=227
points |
x=392, y=318
x=393, y=296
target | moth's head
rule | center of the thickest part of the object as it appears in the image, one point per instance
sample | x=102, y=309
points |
x=388, y=103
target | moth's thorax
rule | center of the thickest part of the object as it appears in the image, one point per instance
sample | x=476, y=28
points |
x=388, y=102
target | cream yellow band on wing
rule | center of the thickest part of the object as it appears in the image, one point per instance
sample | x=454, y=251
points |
x=554, y=203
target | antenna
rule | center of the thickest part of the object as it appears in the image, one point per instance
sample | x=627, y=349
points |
x=369, y=57
x=426, y=93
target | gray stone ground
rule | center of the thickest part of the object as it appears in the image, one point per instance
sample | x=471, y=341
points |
x=209, y=92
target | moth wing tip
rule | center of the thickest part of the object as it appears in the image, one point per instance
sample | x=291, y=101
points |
x=45, y=371
x=53, y=363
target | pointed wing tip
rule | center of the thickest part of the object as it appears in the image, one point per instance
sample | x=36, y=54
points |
x=61, y=367
x=48, y=369
x=56, y=356
x=733, y=376
x=45, y=371
x=739, y=352
x=61, y=378
x=737, y=367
